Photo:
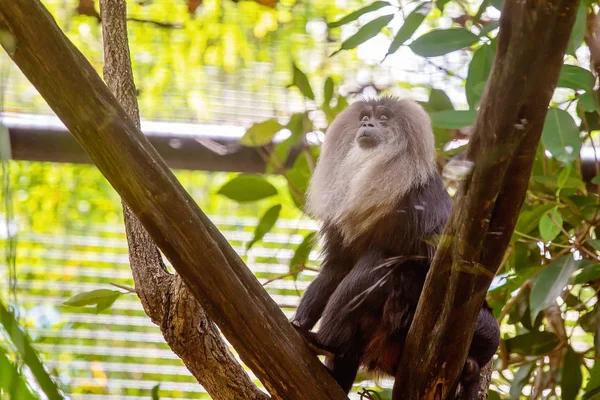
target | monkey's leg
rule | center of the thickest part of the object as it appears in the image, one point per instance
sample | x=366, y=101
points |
x=357, y=302
x=483, y=347
x=344, y=369
x=314, y=300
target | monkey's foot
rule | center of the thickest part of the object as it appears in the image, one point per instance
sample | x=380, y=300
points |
x=312, y=341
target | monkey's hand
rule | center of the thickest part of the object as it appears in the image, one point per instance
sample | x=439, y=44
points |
x=312, y=341
x=468, y=386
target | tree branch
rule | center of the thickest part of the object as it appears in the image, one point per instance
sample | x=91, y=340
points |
x=209, y=267
x=531, y=45
x=186, y=328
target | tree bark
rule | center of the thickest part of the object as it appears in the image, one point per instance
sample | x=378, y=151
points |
x=185, y=325
x=531, y=44
x=215, y=275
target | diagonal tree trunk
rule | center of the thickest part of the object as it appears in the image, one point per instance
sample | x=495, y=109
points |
x=531, y=46
x=185, y=326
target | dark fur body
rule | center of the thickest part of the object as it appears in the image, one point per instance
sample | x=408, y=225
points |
x=369, y=286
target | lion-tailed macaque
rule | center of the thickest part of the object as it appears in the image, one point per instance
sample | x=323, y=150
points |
x=378, y=193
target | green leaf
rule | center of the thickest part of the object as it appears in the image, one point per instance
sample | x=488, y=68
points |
x=489, y=27
x=298, y=178
x=8, y=42
x=443, y=41
x=577, y=78
x=155, y=392
x=571, y=375
x=266, y=223
x=5, y=149
x=594, y=243
x=247, y=188
x=563, y=177
x=23, y=345
x=479, y=70
x=529, y=219
x=587, y=274
x=548, y=229
x=261, y=133
x=493, y=395
x=12, y=382
x=302, y=83
x=578, y=32
x=550, y=283
x=453, y=119
x=572, y=182
x=366, y=32
x=303, y=251
x=561, y=136
x=101, y=298
x=532, y=343
x=588, y=102
x=327, y=92
x=438, y=101
x=353, y=16
x=592, y=389
x=411, y=24
x=497, y=4
x=520, y=379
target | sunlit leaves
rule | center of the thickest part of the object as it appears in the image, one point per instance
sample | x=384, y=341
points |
x=410, y=25
x=532, y=343
x=453, y=119
x=550, y=283
x=574, y=77
x=300, y=80
x=479, y=70
x=366, y=32
x=443, y=41
x=561, y=135
x=571, y=375
x=302, y=251
x=261, y=133
x=247, y=188
x=265, y=224
x=550, y=224
x=353, y=16
x=101, y=298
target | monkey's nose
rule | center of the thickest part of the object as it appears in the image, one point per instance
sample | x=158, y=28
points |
x=368, y=125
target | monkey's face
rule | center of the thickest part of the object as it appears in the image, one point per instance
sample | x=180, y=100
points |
x=376, y=127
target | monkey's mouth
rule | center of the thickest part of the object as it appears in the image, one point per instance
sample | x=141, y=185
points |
x=366, y=140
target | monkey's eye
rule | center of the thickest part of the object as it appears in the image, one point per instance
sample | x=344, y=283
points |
x=383, y=117
x=365, y=118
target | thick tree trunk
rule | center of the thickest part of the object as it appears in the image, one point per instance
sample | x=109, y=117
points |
x=185, y=325
x=209, y=267
x=531, y=45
